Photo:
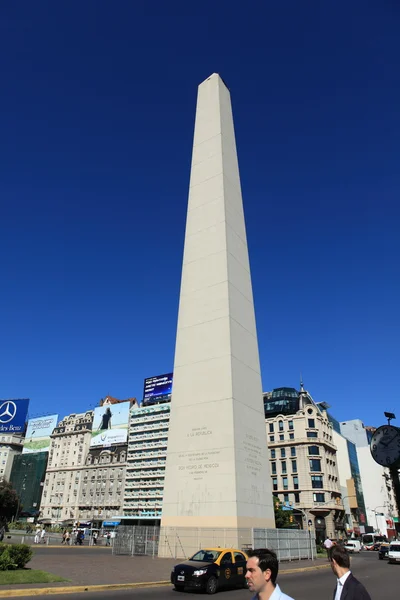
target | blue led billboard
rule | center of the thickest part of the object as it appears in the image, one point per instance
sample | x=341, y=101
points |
x=13, y=415
x=156, y=389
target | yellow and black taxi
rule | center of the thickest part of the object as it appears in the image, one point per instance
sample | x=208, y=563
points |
x=211, y=569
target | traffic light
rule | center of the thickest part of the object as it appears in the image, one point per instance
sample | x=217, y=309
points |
x=291, y=519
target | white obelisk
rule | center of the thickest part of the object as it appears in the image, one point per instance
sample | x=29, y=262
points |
x=217, y=472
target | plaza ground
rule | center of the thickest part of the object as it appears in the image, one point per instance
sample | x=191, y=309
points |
x=379, y=578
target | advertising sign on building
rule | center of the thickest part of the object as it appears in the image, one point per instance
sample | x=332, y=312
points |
x=110, y=424
x=156, y=389
x=13, y=415
x=37, y=437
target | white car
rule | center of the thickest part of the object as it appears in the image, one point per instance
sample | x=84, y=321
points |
x=394, y=552
x=353, y=547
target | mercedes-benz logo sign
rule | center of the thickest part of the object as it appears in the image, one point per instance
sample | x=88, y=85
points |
x=8, y=410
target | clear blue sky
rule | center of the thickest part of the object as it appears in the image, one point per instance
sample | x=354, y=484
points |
x=97, y=110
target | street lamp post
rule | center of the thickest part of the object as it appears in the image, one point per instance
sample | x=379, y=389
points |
x=376, y=515
x=308, y=526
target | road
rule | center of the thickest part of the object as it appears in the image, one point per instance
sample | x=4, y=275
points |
x=375, y=574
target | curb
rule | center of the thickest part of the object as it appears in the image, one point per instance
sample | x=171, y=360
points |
x=77, y=589
x=303, y=569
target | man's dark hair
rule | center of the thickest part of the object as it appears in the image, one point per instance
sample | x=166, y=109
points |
x=267, y=559
x=341, y=556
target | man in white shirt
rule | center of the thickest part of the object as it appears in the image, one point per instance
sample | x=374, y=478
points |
x=347, y=585
x=328, y=545
x=261, y=573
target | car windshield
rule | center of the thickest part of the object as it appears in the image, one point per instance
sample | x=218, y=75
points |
x=395, y=548
x=206, y=555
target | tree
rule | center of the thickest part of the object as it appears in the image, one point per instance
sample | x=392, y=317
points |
x=9, y=501
x=282, y=517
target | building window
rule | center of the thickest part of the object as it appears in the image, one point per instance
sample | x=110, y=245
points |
x=293, y=451
x=319, y=497
x=297, y=497
x=283, y=453
x=274, y=483
x=291, y=436
x=285, y=483
x=271, y=438
x=286, y=497
x=294, y=466
x=280, y=424
x=313, y=450
x=281, y=437
x=271, y=428
x=273, y=468
x=273, y=453
x=312, y=434
x=317, y=481
x=311, y=423
x=315, y=464
x=295, y=483
x=283, y=463
x=290, y=423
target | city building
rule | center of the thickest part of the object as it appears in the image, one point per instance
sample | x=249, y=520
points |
x=350, y=481
x=101, y=493
x=381, y=510
x=27, y=478
x=303, y=460
x=10, y=446
x=145, y=472
x=69, y=446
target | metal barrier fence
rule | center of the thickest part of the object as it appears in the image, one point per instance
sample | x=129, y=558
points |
x=181, y=542
x=289, y=544
x=134, y=539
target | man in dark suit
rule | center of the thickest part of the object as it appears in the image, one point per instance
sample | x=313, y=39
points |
x=347, y=587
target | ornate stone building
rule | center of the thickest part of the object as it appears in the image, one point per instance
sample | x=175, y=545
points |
x=303, y=461
x=69, y=447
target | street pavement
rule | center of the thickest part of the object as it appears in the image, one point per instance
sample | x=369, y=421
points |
x=380, y=579
x=97, y=566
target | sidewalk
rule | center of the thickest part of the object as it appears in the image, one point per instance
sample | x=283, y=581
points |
x=102, y=568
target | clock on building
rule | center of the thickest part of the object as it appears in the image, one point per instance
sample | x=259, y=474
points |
x=385, y=445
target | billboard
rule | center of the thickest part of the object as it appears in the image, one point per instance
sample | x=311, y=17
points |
x=156, y=389
x=37, y=437
x=110, y=424
x=12, y=415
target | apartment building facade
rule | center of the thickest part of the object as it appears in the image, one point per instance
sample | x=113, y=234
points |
x=10, y=446
x=69, y=446
x=303, y=460
x=145, y=471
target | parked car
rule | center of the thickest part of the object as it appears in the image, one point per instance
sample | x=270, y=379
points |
x=394, y=552
x=383, y=551
x=353, y=546
x=211, y=569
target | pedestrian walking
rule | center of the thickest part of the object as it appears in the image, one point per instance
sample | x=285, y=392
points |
x=37, y=536
x=347, y=585
x=43, y=536
x=67, y=538
x=94, y=536
x=328, y=546
x=261, y=573
x=108, y=538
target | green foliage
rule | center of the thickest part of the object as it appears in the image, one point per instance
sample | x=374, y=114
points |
x=28, y=576
x=14, y=556
x=6, y=562
x=8, y=501
x=20, y=554
x=282, y=517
